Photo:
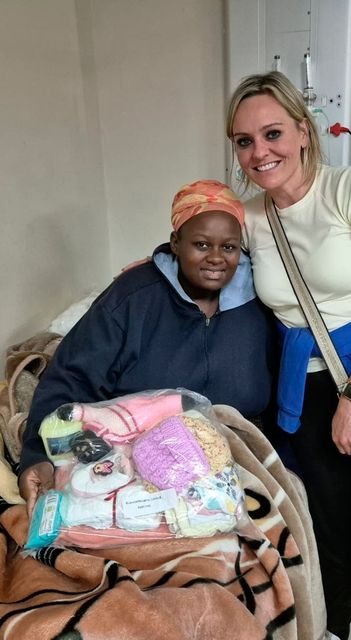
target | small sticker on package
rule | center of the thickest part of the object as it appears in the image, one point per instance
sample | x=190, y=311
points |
x=145, y=503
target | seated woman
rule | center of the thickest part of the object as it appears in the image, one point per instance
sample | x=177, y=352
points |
x=188, y=318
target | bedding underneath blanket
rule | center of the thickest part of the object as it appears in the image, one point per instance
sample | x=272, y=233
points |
x=261, y=583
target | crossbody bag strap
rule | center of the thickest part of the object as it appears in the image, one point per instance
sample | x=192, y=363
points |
x=306, y=301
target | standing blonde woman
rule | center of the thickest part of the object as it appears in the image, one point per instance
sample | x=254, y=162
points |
x=277, y=146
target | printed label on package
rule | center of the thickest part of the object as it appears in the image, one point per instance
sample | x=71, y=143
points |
x=144, y=503
x=49, y=512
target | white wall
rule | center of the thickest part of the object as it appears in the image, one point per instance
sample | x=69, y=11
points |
x=332, y=71
x=260, y=29
x=160, y=73
x=107, y=107
x=53, y=241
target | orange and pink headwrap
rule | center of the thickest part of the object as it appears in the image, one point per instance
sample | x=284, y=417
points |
x=201, y=196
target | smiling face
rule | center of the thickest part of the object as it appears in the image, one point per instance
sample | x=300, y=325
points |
x=268, y=144
x=208, y=250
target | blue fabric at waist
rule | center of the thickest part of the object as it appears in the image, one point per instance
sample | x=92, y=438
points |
x=298, y=346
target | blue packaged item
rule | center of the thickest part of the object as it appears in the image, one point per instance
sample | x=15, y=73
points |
x=46, y=520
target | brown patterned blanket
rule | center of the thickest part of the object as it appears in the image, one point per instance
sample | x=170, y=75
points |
x=258, y=584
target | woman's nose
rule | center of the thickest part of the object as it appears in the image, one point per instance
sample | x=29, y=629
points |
x=260, y=149
x=215, y=255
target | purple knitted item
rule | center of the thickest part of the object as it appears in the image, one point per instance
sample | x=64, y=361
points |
x=169, y=456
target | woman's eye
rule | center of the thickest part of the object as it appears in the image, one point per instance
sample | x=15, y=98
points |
x=243, y=142
x=273, y=135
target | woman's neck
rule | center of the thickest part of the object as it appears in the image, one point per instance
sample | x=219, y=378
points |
x=285, y=197
x=206, y=300
x=208, y=307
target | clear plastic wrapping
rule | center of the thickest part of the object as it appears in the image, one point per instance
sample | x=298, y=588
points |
x=145, y=466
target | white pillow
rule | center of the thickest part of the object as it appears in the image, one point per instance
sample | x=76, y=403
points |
x=68, y=318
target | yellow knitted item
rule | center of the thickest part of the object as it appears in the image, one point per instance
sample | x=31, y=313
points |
x=213, y=444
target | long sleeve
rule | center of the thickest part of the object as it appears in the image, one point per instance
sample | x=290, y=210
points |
x=83, y=369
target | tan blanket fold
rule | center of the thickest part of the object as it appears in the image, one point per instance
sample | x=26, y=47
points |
x=285, y=490
x=259, y=583
x=25, y=362
x=8, y=481
x=42, y=342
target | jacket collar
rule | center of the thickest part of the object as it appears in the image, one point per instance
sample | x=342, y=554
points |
x=237, y=292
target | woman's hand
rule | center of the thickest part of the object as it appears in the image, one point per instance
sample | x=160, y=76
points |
x=35, y=480
x=136, y=263
x=341, y=426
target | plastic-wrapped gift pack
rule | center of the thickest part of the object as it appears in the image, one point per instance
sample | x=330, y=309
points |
x=146, y=466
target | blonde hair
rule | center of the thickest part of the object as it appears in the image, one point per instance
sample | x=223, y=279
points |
x=279, y=86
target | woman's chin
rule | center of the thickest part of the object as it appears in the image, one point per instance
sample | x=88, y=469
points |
x=213, y=284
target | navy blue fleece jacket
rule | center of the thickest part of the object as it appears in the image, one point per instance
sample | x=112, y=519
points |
x=144, y=332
